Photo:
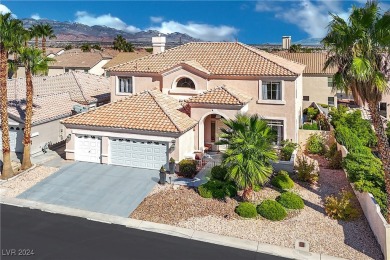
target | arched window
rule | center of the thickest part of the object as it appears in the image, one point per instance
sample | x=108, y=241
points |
x=185, y=83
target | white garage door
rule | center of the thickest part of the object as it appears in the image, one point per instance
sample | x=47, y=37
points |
x=88, y=148
x=15, y=139
x=138, y=153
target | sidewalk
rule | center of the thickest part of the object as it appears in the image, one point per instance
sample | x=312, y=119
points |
x=170, y=230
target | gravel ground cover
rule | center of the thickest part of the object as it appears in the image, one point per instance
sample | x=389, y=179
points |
x=183, y=207
x=25, y=180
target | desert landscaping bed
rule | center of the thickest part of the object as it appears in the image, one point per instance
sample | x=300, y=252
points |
x=183, y=207
x=25, y=180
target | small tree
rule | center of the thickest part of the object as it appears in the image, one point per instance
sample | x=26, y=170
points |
x=86, y=47
x=311, y=113
x=250, y=152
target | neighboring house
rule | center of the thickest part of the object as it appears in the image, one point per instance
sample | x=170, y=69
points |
x=215, y=80
x=90, y=62
x=317, y=82
x=55, y=98
x=123, y=57
x=53, y=52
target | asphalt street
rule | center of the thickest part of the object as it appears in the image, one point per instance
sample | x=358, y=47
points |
x=33, y=234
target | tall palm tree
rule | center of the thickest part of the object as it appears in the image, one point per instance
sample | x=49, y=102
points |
x=360, y=49
x=35, y=33
x=249, y=154
x=34, y=63
x=122, y=45
x=46, y=31
x=8, y=26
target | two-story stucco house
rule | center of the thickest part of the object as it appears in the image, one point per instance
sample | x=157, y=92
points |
x=170, y=104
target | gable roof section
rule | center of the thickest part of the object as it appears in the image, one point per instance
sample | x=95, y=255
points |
x=219, y=96
x=314, y=62
x=218, y=58
x=123, y=57
x=146, y=111
x=83, y=87
x=84, y=60
x=45, y=109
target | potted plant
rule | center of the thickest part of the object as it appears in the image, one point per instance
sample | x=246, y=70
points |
x=171, y=166
x=163, y=175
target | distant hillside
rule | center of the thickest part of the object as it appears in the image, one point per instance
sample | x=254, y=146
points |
x=76, y=32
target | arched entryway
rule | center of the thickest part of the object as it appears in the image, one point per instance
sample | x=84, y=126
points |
x=209, y=131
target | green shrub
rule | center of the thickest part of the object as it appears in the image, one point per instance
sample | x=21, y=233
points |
x=323, y=105
x=332, y=150
x=271, y=210
x=347, y=137
x=315, y=144
x=312, y=126
x=218, y=172
x=306, y=171
x=246, y=210
x=312, y=112
x=322, y=122
x=187, y=168
x=256, y=188
x=288, y=148
x=336, y=161
x=217, y=189
x=282, y=181
x=205, y=192
x=290, y=201
x=341, y=207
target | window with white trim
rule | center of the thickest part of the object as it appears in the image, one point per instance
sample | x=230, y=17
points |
x=125, y=85
x=278, y=127
x=330, y=101
x=330, y=82
x=272, y=90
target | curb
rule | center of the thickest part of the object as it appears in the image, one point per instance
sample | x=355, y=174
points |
x=238, y=243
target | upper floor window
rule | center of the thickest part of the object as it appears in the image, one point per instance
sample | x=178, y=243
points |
x=125, y=85
x=330, y=82
x=185, y=83
x=272, y=91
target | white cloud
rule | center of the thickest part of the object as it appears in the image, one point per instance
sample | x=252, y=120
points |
x=309, y=15
x=156, y=19
x=204, y=32
x=35, y=17
x=5, y=10
x=104, y=20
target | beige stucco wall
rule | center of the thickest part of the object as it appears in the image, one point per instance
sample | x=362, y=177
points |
x=98, y=68
x=53, y=72
x=186, y=145
x=53, y=132
x=317, y=89
x=140, y=83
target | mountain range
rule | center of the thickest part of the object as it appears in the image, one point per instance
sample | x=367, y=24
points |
x=76, y=32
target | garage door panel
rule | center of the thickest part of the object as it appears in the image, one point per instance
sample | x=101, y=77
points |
x=88, y=148
x=15, y=139
x=142, y=154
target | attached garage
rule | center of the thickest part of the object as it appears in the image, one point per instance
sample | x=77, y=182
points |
x=88, y=148
x=138, y=153
x=15, y=139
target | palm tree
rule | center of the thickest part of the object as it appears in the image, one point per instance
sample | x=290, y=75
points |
x=46, y=31
x=86, y=47
x=122, y=45
x=295, y=48
x=35, y=33
x=8, y=26
x=359, y=48
x=249, y=153
x=34, y=63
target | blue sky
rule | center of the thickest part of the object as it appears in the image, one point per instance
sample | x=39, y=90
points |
x=248, y=21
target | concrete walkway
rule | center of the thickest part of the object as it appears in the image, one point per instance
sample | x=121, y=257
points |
x=109, y=189
x=171, y=230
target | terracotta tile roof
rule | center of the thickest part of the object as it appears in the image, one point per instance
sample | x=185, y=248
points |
x=218, y=58
x=85, y=60
x=147, y=111
x=222, y=95
x=83, y=87
x=45, y=109
x=123, y=57
x=314, y=61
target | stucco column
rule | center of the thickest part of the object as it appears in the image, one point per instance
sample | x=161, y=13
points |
x=105, y=143
x=70, y=145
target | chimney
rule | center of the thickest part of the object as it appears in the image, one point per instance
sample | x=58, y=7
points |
x=286, y=42
x=158, y=44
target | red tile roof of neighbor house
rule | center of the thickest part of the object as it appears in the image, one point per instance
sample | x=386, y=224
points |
x=84, y=88
x=84, y=60
x=217, y=58
x=45, y=108
x=222, y=95
x=125, y=57
x=150, y=110
x=314, y=62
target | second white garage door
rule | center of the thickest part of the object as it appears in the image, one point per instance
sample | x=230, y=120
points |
x=138, y=153
x=15, y=139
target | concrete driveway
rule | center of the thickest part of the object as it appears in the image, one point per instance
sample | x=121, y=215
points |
x=109, y=189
